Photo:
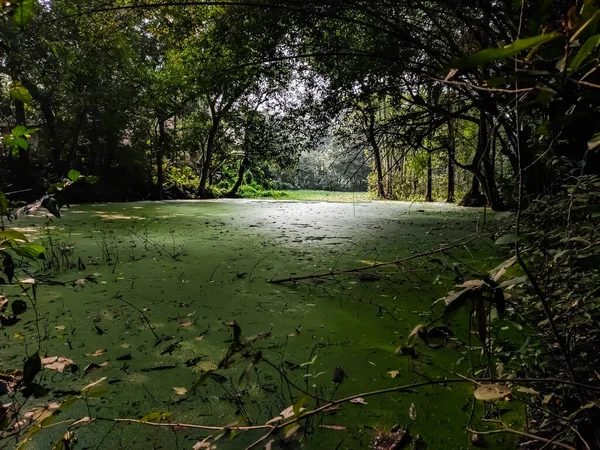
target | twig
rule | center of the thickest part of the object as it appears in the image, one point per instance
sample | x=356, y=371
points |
x=255, y=265
x=524, y=434
x=120, y=297
x=331, y=273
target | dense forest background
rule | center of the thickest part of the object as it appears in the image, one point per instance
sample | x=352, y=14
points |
x=204, y=100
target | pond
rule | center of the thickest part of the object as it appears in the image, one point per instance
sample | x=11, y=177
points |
x=184, y=271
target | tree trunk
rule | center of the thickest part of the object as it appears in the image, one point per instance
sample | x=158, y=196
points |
x=483, y=173
x=50, y=119
x=451, y=154
x=210, y=143
x=376, y=155
x=428, y=193
x=160, y=150
x=240, y=178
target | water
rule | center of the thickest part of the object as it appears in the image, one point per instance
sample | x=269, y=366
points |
x=189, y=268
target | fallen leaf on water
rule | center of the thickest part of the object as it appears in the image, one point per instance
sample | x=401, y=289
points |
x=200, y=338
x=358, y=401
x=412, y=412
x=491, y=392
x=334, y=427
x=191, y=314
x=393, y=373
x=98, y=352
x=125, y=345
x=60, y=327
x=180, y=390
x=56, y=363
x=186, y=324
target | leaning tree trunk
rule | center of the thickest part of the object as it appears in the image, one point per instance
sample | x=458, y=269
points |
x=240, y=177
x=428, y=193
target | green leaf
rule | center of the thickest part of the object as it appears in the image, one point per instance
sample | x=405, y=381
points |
x=299, y=404
x=491, y=54
x=31, y=368
x=74, y=175
x=91, y=179
x=20, y=93
x=507, y=239
x=13, y=235
x=155, y=417
x=24, y=12
x=3, y=203
x=585, y=50
x=31, y=251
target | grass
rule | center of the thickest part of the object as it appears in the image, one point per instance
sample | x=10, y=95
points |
x=328, y=196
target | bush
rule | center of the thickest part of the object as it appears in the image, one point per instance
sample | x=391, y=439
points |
x=256, y=191
x=183, y=179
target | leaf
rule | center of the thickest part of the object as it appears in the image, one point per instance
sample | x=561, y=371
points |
x=491, y=54
x=31, y=251
x=20, y=94
x=57, y=363
x=12, y=235
x=291, y=431
x=334, y=427
x=417, y=332
x=499, y=271
x=507, y=239
x=180, y=390
x=393, y=373
x=454, y=300
x=473, y=284
x=98, y=352
x=73, y=175
x=358, y=401
x=594, y=142
x=412, y=412
x=297, y=408
x=24, y=12
x=186, y=324
x=287, y=412
x=491, y=392
x=155, y=417
x=32, y=367
x=527, y=390
x=585, y=50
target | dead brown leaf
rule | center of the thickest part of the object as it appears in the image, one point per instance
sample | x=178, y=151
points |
x=57, y=363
